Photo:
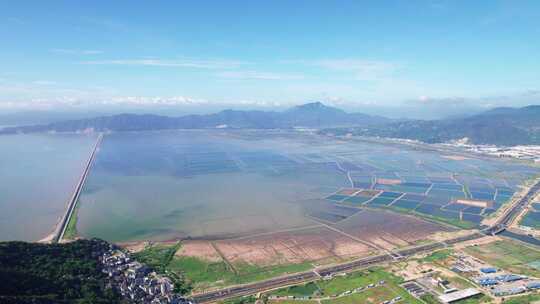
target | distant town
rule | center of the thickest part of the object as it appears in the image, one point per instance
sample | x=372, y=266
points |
x=530, y=153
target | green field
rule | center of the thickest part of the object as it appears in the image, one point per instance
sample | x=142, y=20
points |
x=523, y=299
x=437, y=256
x=374, y=295
x=240, y=300
x=429, y=299
x=292, y=302
x=71, y=229
x=203, y=275
x=334, y=287
x=478, y=299
x=306, y=290
x=250, y=273
x=158, y=256
x=508, y=255
x=196, y=274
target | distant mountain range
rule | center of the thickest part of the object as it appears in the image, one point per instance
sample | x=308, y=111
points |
x=500, y=126
x=311, y=115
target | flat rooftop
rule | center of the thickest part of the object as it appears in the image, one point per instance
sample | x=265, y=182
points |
x=459, y=295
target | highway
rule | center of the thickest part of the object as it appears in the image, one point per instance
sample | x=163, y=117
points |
x=254, y=288
x=522, y=203
x=257, y=287
x=506, y=220
x=60, y=229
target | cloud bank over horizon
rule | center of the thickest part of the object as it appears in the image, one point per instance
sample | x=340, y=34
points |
x=451, y=58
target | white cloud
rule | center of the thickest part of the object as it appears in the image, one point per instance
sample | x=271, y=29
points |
x=44, y=94
x=156, y=100
x=254, y=75
x=197, y=64
x=76, y=52
x=74, y=101
x=258, y=103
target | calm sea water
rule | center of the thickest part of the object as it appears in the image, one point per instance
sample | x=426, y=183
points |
x=202, y=185
x=37, y=176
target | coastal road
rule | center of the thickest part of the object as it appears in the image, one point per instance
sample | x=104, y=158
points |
x=257, y=287
x=60, y=229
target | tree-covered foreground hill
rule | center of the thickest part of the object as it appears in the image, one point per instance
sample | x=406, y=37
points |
x=54, y=273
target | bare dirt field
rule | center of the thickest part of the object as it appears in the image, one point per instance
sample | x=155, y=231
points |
x=350, y=238
x=444, y=235
x=481, y=241
x=134, y=247
x=292, y=247
x=199, y=249
x=387, y=229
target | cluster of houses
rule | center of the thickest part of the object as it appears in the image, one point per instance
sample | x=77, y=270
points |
x=137, y=282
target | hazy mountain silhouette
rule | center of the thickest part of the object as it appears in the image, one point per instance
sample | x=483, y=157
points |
x=311, y=115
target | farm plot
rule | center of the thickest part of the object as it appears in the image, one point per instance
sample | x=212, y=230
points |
x=406, y=204
x=308, y=245
x=327, y=212
x=388, y=229
x=385, y=198
x=362, y=197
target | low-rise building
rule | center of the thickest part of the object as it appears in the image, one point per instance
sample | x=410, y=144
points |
x=459, y=295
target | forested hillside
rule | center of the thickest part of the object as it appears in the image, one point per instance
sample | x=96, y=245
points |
x=54, y=273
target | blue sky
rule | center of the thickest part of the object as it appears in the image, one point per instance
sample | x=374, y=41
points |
x=268, y=53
